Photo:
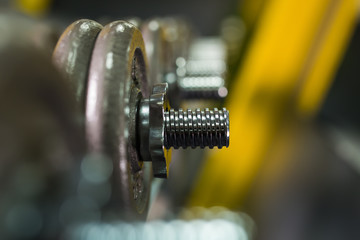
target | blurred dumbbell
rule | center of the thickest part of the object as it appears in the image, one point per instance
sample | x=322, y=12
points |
x=40, y=140
x=194, y=68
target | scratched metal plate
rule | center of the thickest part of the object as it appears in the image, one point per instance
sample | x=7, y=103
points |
x=72, y=55
x=117, y=81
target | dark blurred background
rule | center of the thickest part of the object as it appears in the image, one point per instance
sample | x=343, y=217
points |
x=206, y=16
x=293, y=165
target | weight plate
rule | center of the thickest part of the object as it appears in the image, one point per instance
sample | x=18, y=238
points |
x=73, y=52
x=117, y=81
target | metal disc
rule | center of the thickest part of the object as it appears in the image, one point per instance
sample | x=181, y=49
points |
x=117, y=82
x=73, y=52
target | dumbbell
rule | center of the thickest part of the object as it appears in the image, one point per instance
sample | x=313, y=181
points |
x=128, y=131
x=124, y=121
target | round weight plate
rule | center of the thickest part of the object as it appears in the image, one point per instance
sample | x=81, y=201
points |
x=72, y=54
x=117, y=82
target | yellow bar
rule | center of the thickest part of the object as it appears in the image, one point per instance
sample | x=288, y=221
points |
x=264, y=93
x=33, y=7
x=318, y=79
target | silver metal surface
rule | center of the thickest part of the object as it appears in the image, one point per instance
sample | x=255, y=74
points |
x=151, y=128
x=199, y=128
x=160, y=156
x=162, y=128
x=117, y=82
x=73, y=52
